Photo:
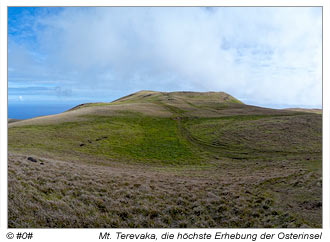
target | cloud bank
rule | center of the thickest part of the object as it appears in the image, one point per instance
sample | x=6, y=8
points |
x=264, y=56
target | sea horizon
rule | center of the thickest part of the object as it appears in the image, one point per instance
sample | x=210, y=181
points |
x=27, y=111
x=33, y=110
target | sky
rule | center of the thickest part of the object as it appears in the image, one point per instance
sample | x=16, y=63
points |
x=270, y=57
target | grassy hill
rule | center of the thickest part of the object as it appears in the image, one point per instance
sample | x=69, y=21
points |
x=159, y=159
x=12, y=120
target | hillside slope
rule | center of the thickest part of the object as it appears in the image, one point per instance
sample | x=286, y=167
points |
x=161, y=140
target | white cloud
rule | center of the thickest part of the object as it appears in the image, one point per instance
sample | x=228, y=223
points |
x=267, y=56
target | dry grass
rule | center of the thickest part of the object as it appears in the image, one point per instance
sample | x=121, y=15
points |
x=314, y=110
x=63, y=194
x=155, y=159
x=77, y=114
x=12, y=120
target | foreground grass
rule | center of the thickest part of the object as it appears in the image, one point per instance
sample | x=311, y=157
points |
x=61, y=194
x=204, y=164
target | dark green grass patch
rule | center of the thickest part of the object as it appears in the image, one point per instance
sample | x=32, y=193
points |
x=132, y=138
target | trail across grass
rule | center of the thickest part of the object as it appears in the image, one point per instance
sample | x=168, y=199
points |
x=156, y=159
x=255, y=135
x=133, y=137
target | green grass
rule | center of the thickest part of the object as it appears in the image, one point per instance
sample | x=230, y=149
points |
x=85, y=105
x=260, y=133
x=213, y=163
x=132, y=137
x=142, y=97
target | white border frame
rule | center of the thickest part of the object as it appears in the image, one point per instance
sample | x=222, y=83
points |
x=92, y=234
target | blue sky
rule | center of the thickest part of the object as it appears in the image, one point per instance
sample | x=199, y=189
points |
x=264, y=56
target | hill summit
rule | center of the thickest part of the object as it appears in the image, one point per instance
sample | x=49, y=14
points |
x=166, y=159
x=160, y=104
x=186, y=96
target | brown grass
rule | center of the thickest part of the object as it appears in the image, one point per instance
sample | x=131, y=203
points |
x=155, y=159
x=148, y=109
x=312, y=110
x=63, y=194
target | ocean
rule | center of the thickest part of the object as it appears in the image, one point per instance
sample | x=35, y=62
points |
x=26, y=111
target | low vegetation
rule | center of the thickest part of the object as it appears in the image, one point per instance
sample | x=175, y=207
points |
x=155, y=159
x=134, y=137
